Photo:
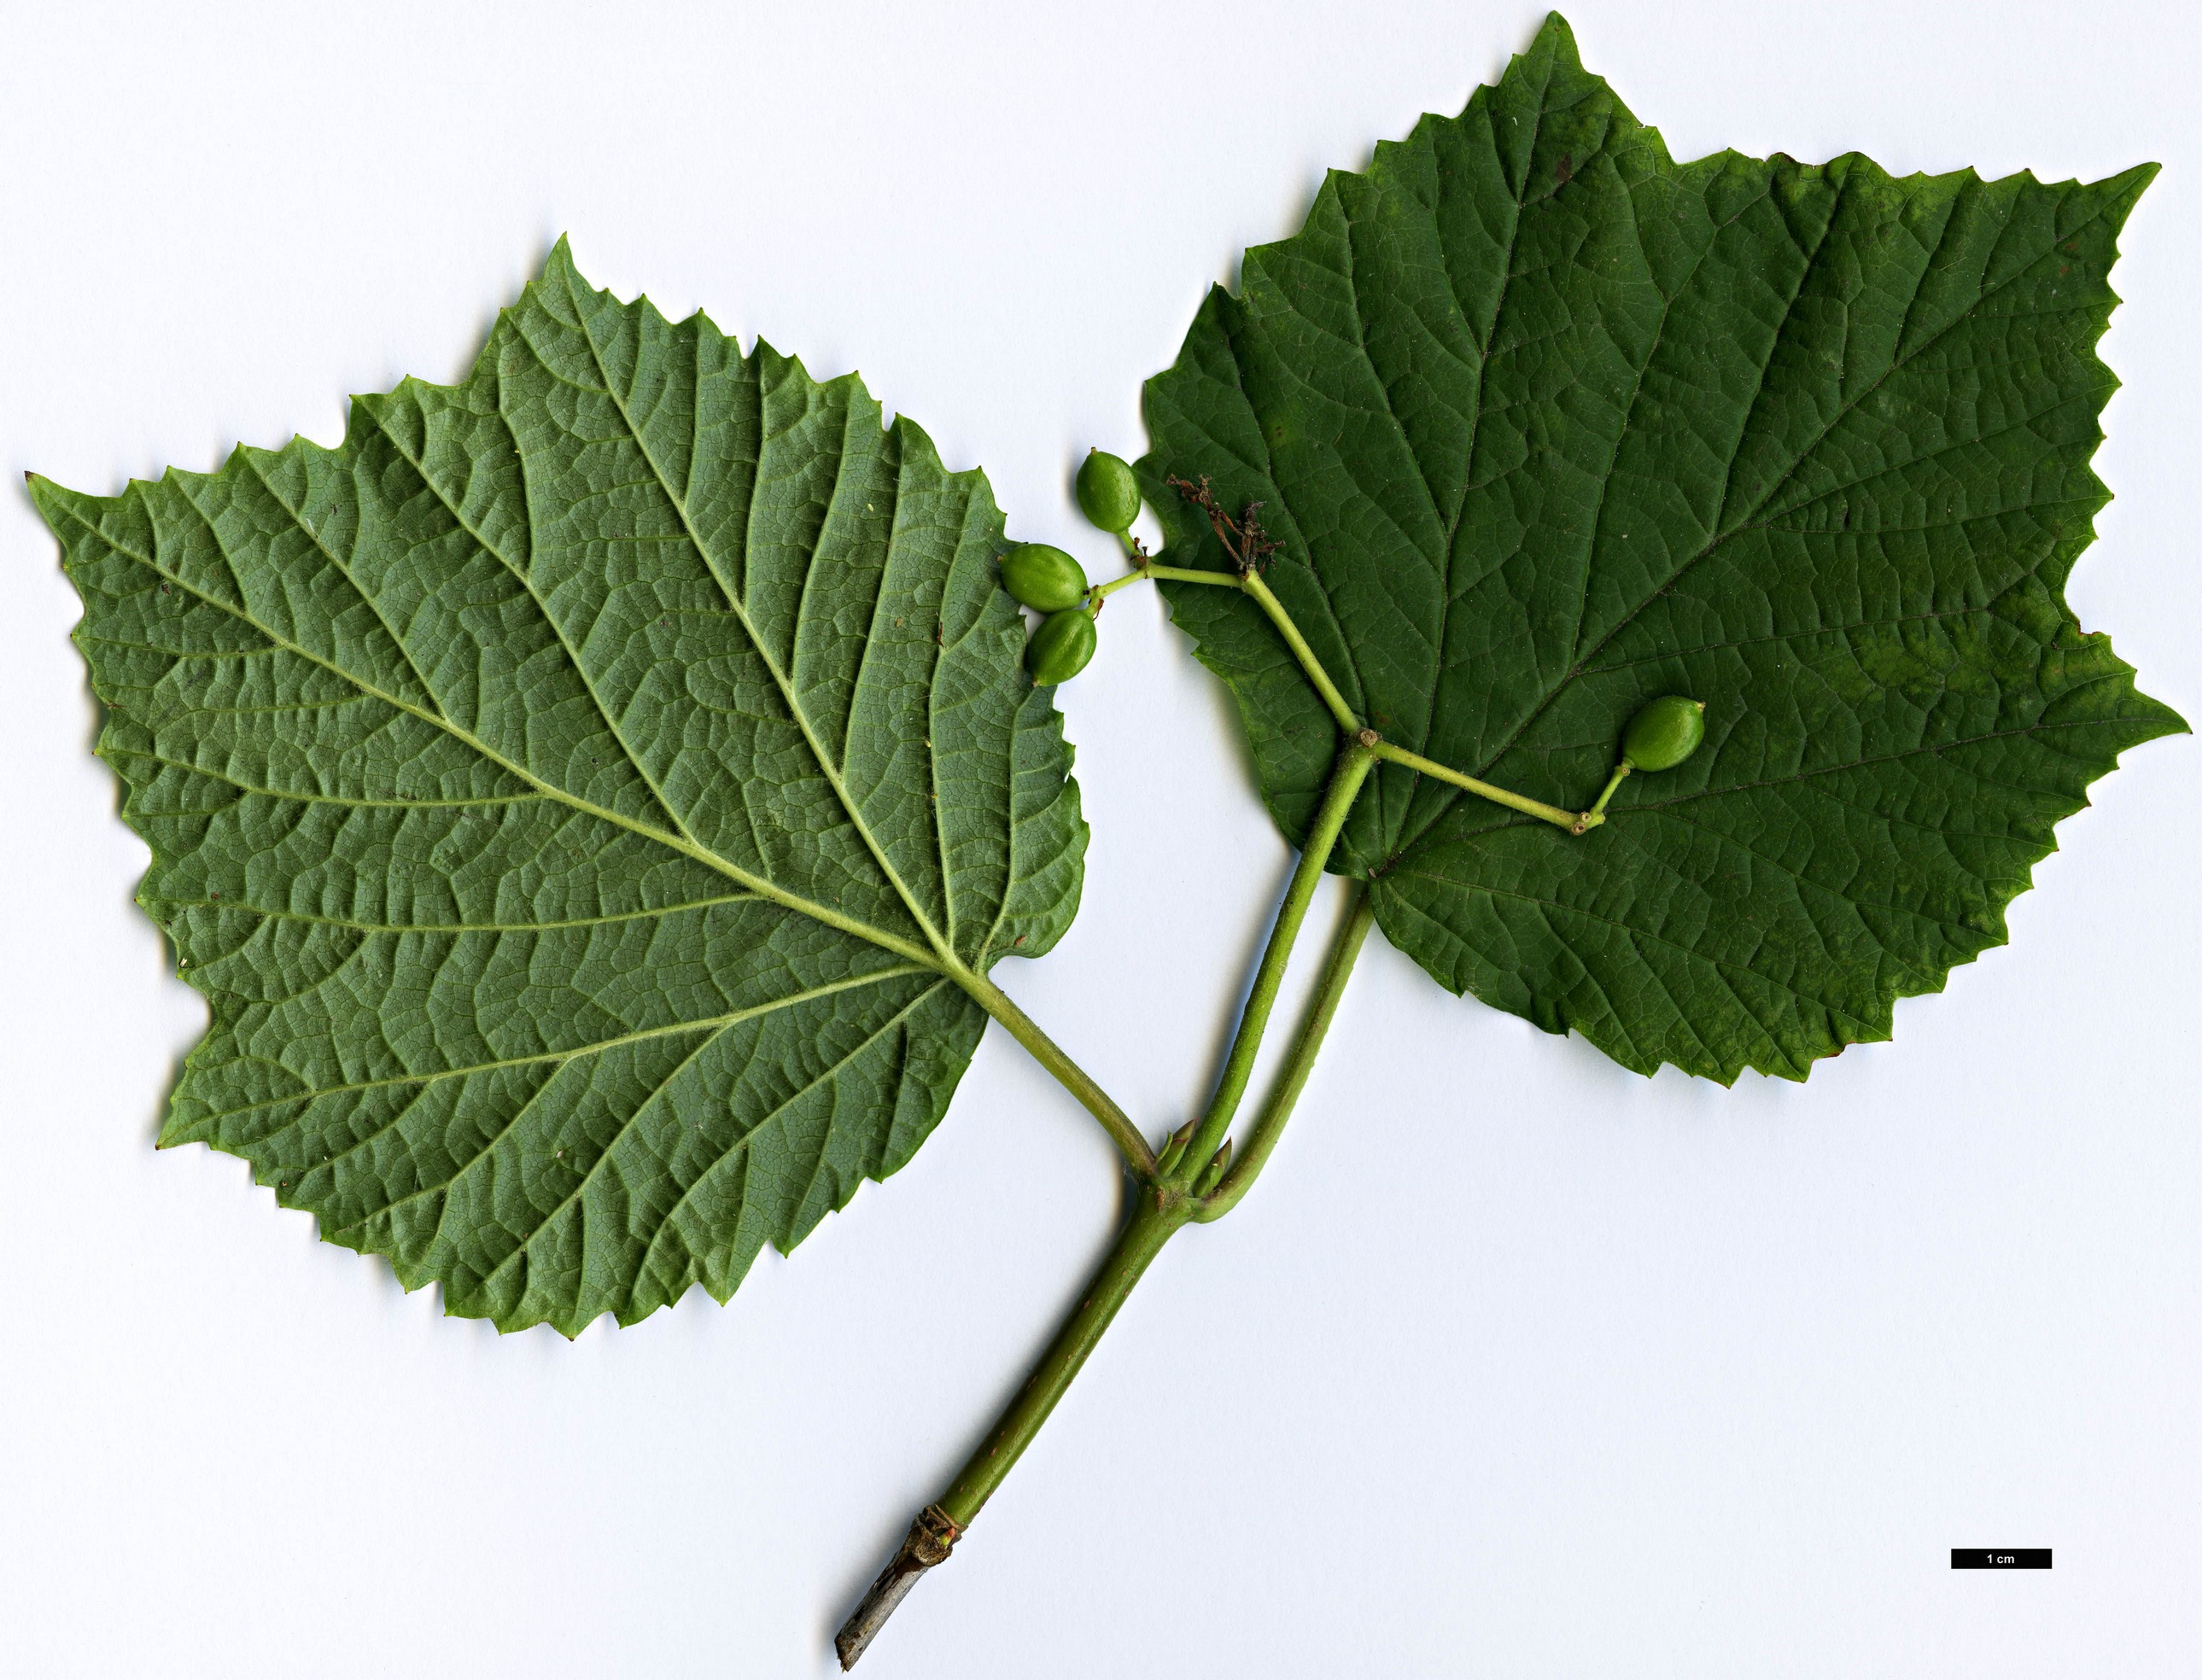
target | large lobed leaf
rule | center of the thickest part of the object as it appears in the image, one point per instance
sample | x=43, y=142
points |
x=575, y=794
x=1549, y=424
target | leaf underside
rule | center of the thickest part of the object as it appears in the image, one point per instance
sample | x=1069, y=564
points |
x=574, y=795
x=1549, y=424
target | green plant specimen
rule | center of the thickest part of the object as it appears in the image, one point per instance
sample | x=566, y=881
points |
x=1544, y=424
x=592, y=797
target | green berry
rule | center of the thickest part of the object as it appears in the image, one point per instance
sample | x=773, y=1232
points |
x=1060, y=647
x=1042, y=577
x=1108, y=491
x=1663, y=732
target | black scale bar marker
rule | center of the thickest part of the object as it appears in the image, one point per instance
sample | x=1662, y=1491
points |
x=1999, y=1557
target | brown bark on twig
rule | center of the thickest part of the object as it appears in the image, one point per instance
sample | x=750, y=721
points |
x=928, y=1542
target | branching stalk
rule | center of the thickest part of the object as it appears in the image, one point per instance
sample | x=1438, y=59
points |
x=1179, y=574
x=1197, y=1177
x=1166, y=1201
x=1248, y=547
x=1299, y=1060
x=1354, y=762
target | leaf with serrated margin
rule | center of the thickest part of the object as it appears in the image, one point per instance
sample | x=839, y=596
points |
x=576, y=795
x=1549, y=424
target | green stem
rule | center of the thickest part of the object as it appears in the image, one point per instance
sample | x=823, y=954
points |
x=1251, y=582
x=1299, y=1060
x=1162, y=1208
x=1156, y=1216
x=1074, y=1079
x=1597, y=812
x=1187, y=574
x=1354, y=763
x=1573, y=821
x=1180, y=574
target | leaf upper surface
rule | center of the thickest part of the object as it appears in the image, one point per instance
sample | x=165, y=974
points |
x=576, y=794
x=1549, y=424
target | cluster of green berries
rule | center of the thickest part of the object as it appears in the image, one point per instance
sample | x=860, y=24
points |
x=1043, y=578
x=1663, y=734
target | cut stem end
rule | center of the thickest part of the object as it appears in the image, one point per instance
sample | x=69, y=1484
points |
x=932, y=1537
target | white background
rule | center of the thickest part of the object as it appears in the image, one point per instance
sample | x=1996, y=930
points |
x=1515, y=1364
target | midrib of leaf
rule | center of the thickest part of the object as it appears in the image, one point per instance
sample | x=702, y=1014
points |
x=1519, y=196
x=1636, y=395
x=948, y=960
x=710, y=1025
x=680, y=843
x=1897, y=363
x=1750, y=519
x=1358, y=696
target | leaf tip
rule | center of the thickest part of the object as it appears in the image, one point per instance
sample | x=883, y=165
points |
x=1557, y=35
x=558, y=263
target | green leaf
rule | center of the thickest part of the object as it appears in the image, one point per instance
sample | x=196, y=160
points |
x=583, y=797
x=1549, y=424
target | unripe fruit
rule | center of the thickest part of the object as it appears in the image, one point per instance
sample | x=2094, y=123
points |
x=1108, y=491
x=1043, y=577
x=1060, y=647
x=1663, y=732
